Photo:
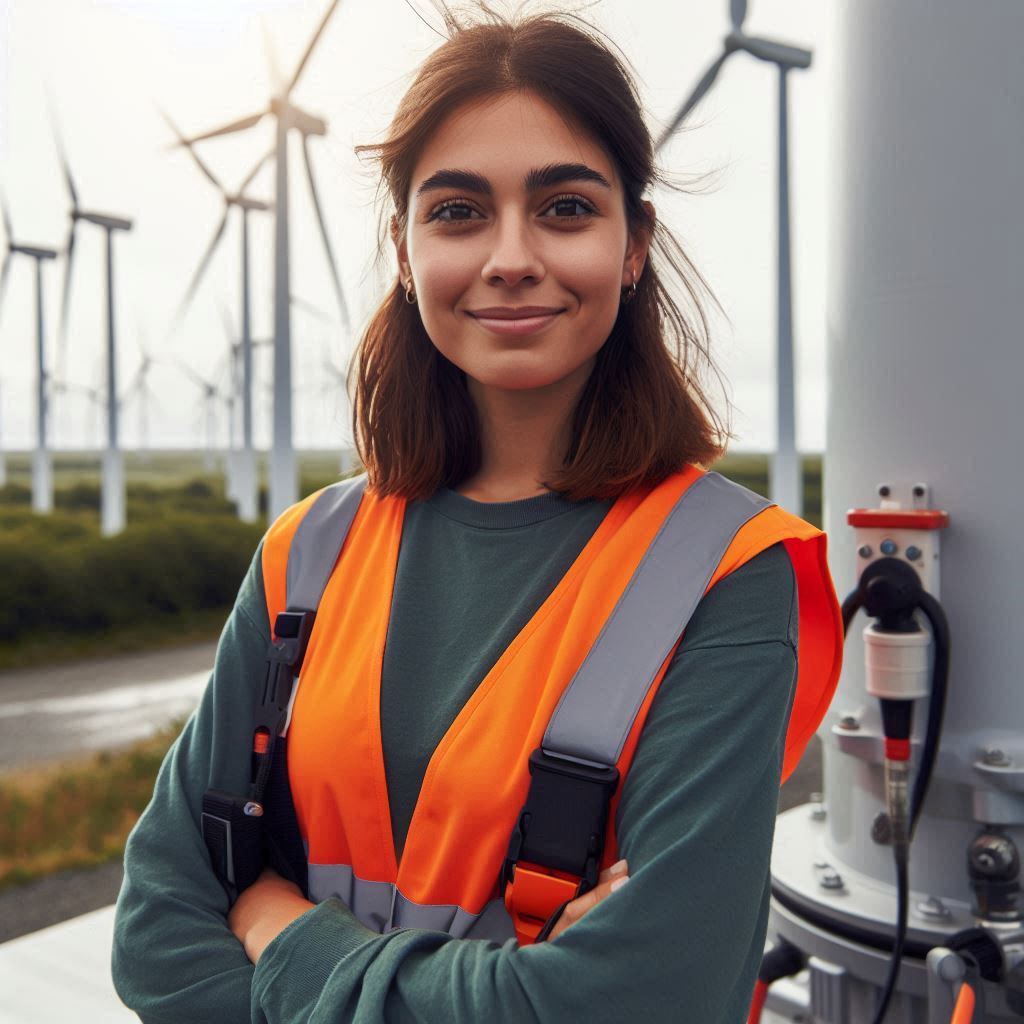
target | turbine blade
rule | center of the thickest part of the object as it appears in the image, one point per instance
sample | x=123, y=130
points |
x=309, y=49
x=195, y=156
x=8, y=230
x=229, y=327
x=276, y=76
x=738, y=13
x=695, y=97
x=4, y=271
x=323, y=232
x=256, y=170
x=201, y=269
x=300, y=303
x=240, y=125
x=65, y=165
x=62, y=334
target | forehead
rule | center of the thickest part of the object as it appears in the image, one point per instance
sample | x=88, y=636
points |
x=505, y=136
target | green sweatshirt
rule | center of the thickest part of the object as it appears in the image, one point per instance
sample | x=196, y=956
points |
x=681, y=943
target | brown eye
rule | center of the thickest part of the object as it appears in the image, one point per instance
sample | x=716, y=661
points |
x=566, y=207
x=451, y=204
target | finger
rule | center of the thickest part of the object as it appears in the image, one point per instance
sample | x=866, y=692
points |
x=609, y=873
x=575, y=910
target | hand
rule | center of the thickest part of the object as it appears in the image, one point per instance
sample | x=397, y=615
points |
x=607, y=882
x=264, y=910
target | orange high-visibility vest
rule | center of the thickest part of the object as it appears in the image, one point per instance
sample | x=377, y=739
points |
x=478, y=777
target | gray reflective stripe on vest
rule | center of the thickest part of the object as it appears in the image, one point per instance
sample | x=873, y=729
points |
x=382, y=908
x=318, y=541
x=597, y=709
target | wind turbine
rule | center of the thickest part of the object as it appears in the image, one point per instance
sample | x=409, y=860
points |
x=139, y=388
x=283, y=470
x=112, y=500
x=241, y=467
x=210, y=396
x=786, y=484
x=42, y=465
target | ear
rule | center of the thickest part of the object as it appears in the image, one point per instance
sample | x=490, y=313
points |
x=401, y=250
x=637, y=249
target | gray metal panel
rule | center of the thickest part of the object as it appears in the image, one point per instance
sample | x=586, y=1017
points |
x=599, y=706
x=318, y=542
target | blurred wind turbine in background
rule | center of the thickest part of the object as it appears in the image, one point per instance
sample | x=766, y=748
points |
x=283, y=470
x=785, y=479
x=241, y=465
x=42, y=466
x=112, y=501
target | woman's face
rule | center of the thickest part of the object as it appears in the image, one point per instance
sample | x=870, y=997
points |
x=509, y=208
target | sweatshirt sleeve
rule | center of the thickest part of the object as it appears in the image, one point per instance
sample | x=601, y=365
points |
x=174, y=958
x=682, y=941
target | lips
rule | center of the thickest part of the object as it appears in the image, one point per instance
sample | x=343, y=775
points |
x=501, y=322
x=513, y=312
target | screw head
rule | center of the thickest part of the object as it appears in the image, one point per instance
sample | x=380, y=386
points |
x=884, y=490
x=996, y=757
x=918, y=490
x=933, y=908
x=865, y=551
x=849, y=722
x=888, y=546
x=830, y=879
x=913, y=553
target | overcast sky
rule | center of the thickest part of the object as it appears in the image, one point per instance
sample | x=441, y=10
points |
x=109, y=63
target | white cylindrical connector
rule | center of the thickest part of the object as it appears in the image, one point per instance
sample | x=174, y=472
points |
x=896, y=664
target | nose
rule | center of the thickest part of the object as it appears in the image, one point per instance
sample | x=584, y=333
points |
x=513, y=257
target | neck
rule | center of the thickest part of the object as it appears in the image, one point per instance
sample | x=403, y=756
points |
x=524, y=437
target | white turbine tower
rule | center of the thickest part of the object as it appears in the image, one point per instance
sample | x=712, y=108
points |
x=112, y=501
x=786, y=484
x=283, y=471
x=42, y=466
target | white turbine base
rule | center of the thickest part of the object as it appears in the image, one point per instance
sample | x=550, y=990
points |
x=42, y=481
x=112, y=500
x=785, y=485
x=245, y=485
x=231, y=457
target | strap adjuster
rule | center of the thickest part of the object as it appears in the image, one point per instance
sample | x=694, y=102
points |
x=561, y=826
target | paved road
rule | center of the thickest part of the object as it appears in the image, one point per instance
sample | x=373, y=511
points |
x=69, y=711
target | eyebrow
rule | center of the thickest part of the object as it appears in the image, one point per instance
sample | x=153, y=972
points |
x=539, y=177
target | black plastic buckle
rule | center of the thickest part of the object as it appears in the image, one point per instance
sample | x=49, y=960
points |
x=562, y=824
x=284, y=661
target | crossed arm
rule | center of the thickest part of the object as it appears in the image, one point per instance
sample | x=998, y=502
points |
x=682, y=941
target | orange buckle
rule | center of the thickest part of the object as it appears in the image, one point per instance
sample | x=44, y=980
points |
x=533, y=895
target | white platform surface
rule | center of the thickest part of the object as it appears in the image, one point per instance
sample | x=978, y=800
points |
x=62, y=973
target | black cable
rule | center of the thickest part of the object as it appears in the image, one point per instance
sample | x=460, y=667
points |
x=902, y=899
x=936, y=704
x=853, y=603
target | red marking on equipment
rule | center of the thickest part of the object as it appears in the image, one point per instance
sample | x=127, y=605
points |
x=922, y=519
x=260, y=741
x=897, y=750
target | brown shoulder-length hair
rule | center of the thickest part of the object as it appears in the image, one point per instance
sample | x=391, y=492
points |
x=643, y=413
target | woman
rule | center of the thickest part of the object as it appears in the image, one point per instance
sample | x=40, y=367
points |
x=527, y=436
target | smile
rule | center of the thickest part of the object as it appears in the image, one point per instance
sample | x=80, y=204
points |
x=519, y=325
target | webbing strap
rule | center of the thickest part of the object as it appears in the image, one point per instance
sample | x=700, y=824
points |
x=597, y=709
x=318, y=541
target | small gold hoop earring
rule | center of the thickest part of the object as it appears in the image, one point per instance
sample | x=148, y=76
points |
x=628, y=293
x=410, y=295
